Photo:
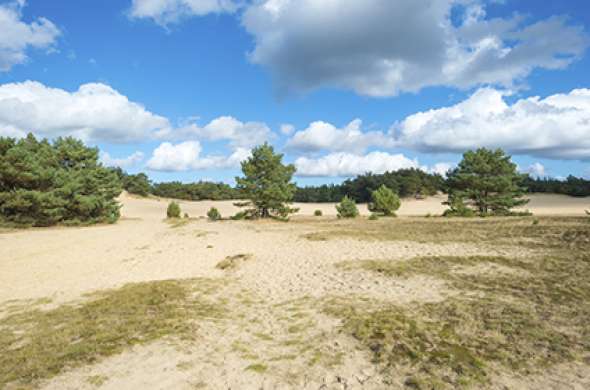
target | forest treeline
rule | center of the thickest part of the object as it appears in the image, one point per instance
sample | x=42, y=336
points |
x=405, y=182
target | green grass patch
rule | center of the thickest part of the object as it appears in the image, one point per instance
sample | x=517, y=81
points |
x=258, y=368
x=39, y=344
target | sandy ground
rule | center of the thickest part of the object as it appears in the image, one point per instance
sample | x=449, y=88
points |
x=540, y=204
x=63, y=264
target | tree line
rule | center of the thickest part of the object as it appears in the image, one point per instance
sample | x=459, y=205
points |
x=404, y=182
x=43, y=183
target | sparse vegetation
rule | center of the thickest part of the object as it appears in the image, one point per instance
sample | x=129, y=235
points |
x=318, y=213
x=213, y=214
x=39, y=344
x=173, y=210
x=232, y=262
x=523, y=314
x=347, y=208
x=258, y=368
x=384, y=201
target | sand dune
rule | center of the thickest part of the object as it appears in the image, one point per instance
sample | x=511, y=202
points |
x=63, y=264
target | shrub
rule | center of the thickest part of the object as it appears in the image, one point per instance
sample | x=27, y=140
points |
x=239, y=216
x=186, y=216
x=373, y=217
x=173, y=210
x=318, y=213
x=347, y=208
x=458, y=208
x=213, y=214
x=385, y=201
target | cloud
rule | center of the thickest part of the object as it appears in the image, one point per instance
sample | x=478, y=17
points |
x=555, y=127
x=165, y=12
x=224, y=128
x=384, y=47
x=16, y=36
x=321, y=136
x=347, y=164
x=186, y=156
x=537, y=169
x=95, y=112
x=125, y=162
x=441, y=168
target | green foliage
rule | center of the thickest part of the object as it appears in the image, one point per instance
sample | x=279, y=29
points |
x=241, y=215
x=373, y=217
x=572, y=186
x=173, y=210
x=487, y=182
x=267, y=184
x=347, y=208
x=384, y=201
x=213, y=214
x=318, y=213
x=44, y=184
x=404, y=182
x=137, y=184
x=457, y=208
x=196, y=191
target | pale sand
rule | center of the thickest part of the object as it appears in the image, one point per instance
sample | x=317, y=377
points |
x=540, y=204
x=63, y=264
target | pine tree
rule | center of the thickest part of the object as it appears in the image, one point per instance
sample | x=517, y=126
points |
x=487, y=182
x=43, y=184
x=267, y=184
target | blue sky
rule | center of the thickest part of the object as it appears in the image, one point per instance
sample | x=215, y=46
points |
x=182, y=89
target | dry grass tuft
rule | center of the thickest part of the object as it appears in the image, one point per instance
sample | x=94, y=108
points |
x=233, y=262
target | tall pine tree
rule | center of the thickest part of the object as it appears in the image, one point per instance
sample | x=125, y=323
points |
x=486, y=182
x=267, y=184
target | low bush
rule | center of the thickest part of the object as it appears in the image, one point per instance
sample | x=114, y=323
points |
x=241, y=215
x=213, y=214
x=373, y=217
x=384, y=201
x=173, y=210
x=347, y=208
x=318, y=213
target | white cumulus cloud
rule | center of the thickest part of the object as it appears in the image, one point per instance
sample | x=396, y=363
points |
x=95, y=112
x=124, y=162
x=225, y=128
x=323, y=136
x=169, y=11
x=17, y=36
x=347, y=164
x=537, y=170
x=384, y=47
x=557, y=126
x=186, y=156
